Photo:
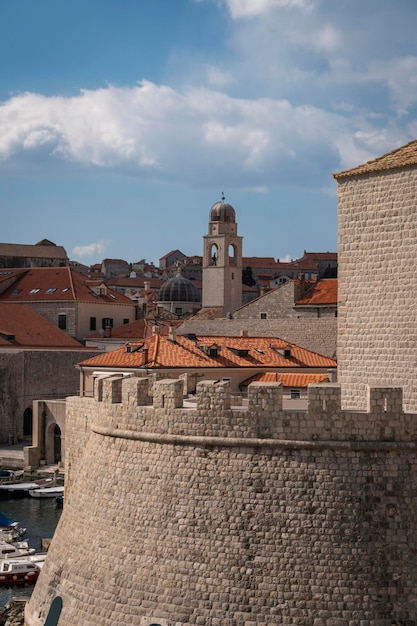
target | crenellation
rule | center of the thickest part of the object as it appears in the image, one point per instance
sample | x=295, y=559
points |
x=324, y=399
x=213, y=396
x=136, y=391
x=168, y=394
x=385, y=400
x=109, y=389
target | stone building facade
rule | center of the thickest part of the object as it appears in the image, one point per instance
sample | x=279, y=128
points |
x=377, y=332
x=213, y=514
x=28, y=375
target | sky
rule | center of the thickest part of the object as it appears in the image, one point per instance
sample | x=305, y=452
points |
x=123, y=121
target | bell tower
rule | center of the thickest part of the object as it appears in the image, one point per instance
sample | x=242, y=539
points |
x=222, y=260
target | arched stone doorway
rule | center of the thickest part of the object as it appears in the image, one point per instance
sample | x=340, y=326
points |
x=57, y=444
x=53, y=444
x=28, y=422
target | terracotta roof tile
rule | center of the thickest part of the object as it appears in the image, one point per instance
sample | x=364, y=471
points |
x=405, y=156
x=288, y=379
x=57, y=284
x=185, y=352
x=322, y=293
x=21, y=327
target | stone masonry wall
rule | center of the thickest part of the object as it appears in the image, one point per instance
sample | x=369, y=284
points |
x=215, y=515
x=27, y=375
x=377, y=278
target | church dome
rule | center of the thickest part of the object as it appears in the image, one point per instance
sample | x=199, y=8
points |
x=179, y=289
x=222, y=212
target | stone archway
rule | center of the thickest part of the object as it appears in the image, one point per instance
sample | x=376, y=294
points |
x=28, y=422
x=53, y=444
x=57, y=444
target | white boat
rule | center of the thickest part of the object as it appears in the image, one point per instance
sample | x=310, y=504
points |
x=21, y=489
x=18, y=571
x=10, y=551
x=46, y=492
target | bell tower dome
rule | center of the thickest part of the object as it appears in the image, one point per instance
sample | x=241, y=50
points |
x=222, y=260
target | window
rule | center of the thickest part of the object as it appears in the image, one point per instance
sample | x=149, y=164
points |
x=16, y=291
x=51, y=290
x=93, y=323
x=107, y=322
x=34, y=290
x=295, y=394
x=178, y=310
x=263, y=316
x=62, y=321
x=126, y=320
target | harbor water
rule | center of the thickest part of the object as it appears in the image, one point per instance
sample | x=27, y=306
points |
x=40, y=517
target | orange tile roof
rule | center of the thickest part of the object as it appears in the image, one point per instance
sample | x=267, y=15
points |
x=160, y=352
x=288, y=379
x=405, y=156
x=322, y=293
x=57, y=284
x=21, y=327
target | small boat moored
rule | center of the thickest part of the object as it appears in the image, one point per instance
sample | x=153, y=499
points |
x=22, y=489
x=10, y=530
x=9, y=475
x=11, y=551
x=46, y=492
x=18, y=571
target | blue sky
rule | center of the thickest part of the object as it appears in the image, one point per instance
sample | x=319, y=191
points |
x=123, y=121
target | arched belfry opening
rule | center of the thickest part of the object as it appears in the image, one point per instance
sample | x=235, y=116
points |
x=214, y=254
x=232, y=255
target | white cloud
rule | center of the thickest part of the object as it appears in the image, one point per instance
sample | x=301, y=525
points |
x=195, y=136
x=252, y=8
x=218, y=78
x=90, y=249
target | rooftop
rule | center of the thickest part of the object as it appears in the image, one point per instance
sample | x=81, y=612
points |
x=21, y=327
x=324, y=292
x=405, y=156
x=209, y=352
x=57, y=284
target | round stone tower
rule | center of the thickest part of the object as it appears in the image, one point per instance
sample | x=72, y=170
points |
x=205, y=513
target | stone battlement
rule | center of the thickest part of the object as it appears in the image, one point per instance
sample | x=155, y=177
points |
x=137, y=405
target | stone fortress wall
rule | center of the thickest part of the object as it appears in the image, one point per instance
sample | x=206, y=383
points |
x=377, y=331
x=206, y=513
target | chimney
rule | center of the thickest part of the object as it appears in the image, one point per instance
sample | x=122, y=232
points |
x=147, y=285
x=243, y=333
x=155, y=330
x=172, y=335
x=107, y=331
x=145, y=351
